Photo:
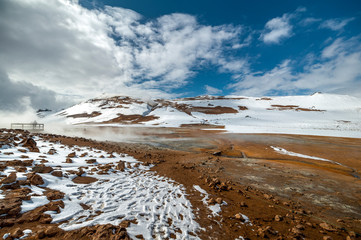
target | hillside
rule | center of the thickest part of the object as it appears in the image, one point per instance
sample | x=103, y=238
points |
x=318, y=114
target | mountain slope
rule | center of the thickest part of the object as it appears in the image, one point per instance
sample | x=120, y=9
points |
x=318, y=114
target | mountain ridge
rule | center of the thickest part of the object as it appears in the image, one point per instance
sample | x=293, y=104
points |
x=312, y=114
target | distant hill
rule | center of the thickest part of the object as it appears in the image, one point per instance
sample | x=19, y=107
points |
x=318, y=114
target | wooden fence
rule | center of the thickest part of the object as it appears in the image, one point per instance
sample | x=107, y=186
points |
x=28, y=126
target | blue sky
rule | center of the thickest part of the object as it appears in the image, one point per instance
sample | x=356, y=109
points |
x=58, y=52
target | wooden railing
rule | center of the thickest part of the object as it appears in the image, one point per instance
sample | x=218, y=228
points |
x=28, y=126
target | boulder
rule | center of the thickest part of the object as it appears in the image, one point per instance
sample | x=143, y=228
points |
x=35, y=179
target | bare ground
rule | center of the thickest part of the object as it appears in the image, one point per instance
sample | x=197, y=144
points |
x=285, y=197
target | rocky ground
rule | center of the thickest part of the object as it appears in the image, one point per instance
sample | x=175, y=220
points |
x=238, y=187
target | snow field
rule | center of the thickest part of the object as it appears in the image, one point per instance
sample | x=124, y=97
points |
x=156, y=206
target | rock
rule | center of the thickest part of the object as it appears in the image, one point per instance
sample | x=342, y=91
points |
x=42, y=169
x=20, y=193
x=7, y=222
x=17, y=233
x=20, y=169
x=36, y=179
x=80, y=172
x=296, y=231
x=218, y=153
x=219, y=200
x=57, y=173
x=267, y=196
x=51, y=151
x=54, y=206
x=84, y=206
x=84, y=180
x=68, y=160
x=91, y=161
x=327, y=238
x=327, y=227
x=46, y=219
x=9, y=179
x=238, y=216
x=53, y=194
x=243, y=204
x=120, y=166
x=51, y=231
x=211, y=201
x=41, y=234
x=23, y=163
x=31, y=145
x=278, y=218
x=72, y=155
x=223, y=186
x=300, y=227
x=11, y=206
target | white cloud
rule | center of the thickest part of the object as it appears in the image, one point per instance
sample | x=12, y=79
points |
x=61, y=47
x=337, y=70
x=310, y=20
x=262, y=83
x=336, y=24
x=212, y=90
x=277, y=29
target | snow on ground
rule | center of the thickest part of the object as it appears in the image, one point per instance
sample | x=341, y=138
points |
x=318, y=114
x=216, y=208
x=285, y=152
x=157, y=206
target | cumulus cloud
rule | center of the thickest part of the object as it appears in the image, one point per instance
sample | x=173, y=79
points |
x=337, y=70
x=336, y=24
x=73, y=52
x=212, y=90
x=277, y=29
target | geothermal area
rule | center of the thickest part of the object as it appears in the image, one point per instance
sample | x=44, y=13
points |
x=207, y=167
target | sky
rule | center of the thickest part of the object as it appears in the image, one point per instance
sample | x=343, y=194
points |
x=55, y=53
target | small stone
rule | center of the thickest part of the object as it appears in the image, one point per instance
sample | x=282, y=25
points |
x=327, y=227
x=300, y=227
x=296, y=231
x=278, y=218
x=267, y=196
x=239, y=217
x=327, y=238
x=219, y=200
x=68, y=160
x=71, y=155
x=243, y=204
x=120, y=166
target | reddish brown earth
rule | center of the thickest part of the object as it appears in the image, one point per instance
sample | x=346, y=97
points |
x=285, y=197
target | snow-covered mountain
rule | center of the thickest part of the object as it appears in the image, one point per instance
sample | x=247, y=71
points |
x=318, y=114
